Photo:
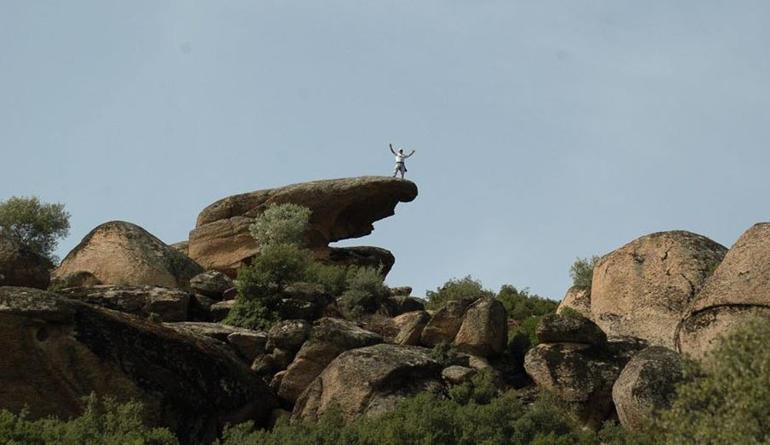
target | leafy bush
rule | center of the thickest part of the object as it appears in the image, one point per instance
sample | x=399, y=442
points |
x=332, y=277
x=365, y=290
x=281, y=224
x=37, y=225
x=482, y=388
x=430, y=419
x=103, y=422
x=251, y=314
x=456, y=289
x=582, y=271
x=521, y=304
x=445, y=354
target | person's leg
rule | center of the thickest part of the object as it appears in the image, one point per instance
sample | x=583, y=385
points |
x=395, y=171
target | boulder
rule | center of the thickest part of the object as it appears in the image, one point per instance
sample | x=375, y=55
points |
x=555, y=328
x=20, y=266
x=646, y=385
x=579, y=374
x=167, y=304
x=644, y=288
x=368, y=256
x=577, y=299
x=402, y=291
x=410, y=327
x=220, y=311
x=738, y=290
x=181, y=246
x=249, y=344
x=397, y=305
x=342, y=209
x=445, y=323
x=455, y=375
x=216, y=331
x=484, y=329
x=57, y=351
x=305, y=301
x=211, y=283
x=200, y=307
x=289, y=334
x=369, y=381
x=124, y=254
x=328, y=338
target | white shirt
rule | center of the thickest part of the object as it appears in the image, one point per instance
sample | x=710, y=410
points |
x=400, y=157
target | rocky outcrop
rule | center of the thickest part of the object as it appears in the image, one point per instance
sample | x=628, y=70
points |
x=738, y=290
x=401, y=304
x=121, y=253
x=56, y=351
x=211, y=284
x=341, y=209
x=167, y=304
x=577, y=299
x=644, y=288
x=555, y=328
x=484, y=329
x=368, y=256
x=289, y=335
x=247, y=343
x=328, y=338
x=20, y=266
x=646, y=385
x=369, y=381
x=410, y=326
x=445, y=322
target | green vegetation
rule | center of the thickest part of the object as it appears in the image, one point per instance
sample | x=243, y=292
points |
x=36, y=225
x=582, y=271
x=103, y=422
x=456, y=289
x=365, y=290
x=521, y=304
x=281, y=224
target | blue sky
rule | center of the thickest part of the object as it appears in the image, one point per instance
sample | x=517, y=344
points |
x=545, y=130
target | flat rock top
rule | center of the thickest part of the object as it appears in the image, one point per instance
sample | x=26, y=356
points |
x=326, y=192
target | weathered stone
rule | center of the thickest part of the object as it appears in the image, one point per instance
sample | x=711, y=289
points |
x=181, y=246
x=20, y=266
x=121, y=253
x=328, y=338
x=211, y=283
x=167, y=304
x=577, y=299
x=289, y=334
x=411, y=326
x=456, y=375
x=217, y=331
x=395, y=306
x=368, y=381
x=249, y=344
x=445, y=323
x=555, y=328
x=220, y=311
x=644, y=288
x=200, y=307
x=484, y=329
x=738, y=290
x=365, y=256
x=402, y=291
x=646, y=385
x=57, y=351
x=581, y=375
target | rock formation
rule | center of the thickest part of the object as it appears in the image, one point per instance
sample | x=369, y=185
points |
x=57, y=351
x=738, y=290
x=644, y=288
x=369, y=381
x=577, y=299
x=646, y=385
x=20, y=266
x=167, y=304
x=484, y=328
x=342, y=209
x=121, y=253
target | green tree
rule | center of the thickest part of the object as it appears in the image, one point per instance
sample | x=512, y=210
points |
x=365, y=290
x=34, y=224
x=281, y=224
x=582, y=271
x=521, y=304
x=456, y=289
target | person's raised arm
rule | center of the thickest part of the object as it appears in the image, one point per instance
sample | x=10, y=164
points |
x=410, y=154
x=391, y=148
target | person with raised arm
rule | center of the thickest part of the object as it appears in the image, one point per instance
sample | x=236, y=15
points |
x=400, y=158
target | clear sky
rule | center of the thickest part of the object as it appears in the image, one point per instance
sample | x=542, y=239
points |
x=545, y=130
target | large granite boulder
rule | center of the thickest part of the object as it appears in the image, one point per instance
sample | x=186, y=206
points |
x=56, y=351
x=211, y=284
x=445, y=323
x=644, y=288
x=577, y=299
x=342, y=209
x=484, y=328
x=369, y=381
x=410, y=326
x=368, y=256
x=20, y=266
x=121, y=253
x=646, y=385
x=328, y=339
x=738, y=290
x=167, y=304
x=556, y=328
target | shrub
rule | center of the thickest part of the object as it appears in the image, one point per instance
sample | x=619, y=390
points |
x=34, y=224
x=482, y=388
x=445, y=354
x=281, y=224
x=333, y=278
x=280, y=264
x=251, y=314
x=521, y=305
x=522, y=338
x=456, y=289
x=582, y=271
x=365, y=290
x=103, y=422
